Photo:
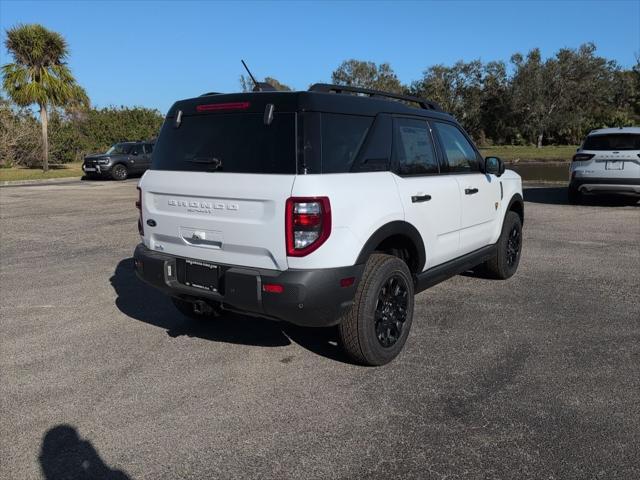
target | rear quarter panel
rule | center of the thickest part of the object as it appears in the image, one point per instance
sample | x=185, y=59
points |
x=360, y=204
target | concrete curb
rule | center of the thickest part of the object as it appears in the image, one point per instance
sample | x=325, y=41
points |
x=44, y=181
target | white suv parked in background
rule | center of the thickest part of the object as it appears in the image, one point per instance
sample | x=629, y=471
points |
x=608, y=161
x=327, y=207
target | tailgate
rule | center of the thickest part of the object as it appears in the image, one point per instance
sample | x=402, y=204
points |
x=227, y=218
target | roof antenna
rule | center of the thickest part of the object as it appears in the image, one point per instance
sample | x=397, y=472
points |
x=255, y=84
x=258, y=86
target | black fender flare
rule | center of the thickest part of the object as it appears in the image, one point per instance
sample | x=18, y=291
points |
x=519, y=202
x=398, y=227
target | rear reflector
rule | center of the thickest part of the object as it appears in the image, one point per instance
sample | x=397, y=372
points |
x=347, y=282
x=272, y=288
x=215, y=107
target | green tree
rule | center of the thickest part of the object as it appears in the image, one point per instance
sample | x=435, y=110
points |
x=19, y=135
x=357, y=73
x=246, y=84
x=496, y=109
x=39, y=74
x=458, y=90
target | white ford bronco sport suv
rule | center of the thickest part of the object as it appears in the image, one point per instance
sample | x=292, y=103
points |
x=333, y=206
x=608, y=161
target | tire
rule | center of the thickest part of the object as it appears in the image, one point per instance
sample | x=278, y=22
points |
x=376, y=327
x=509, y=248
x=186, y=309
x=574, y=196
x=119, y=172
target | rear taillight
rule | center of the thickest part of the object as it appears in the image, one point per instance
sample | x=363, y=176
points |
x=582, y=157
x=139, y=207
x=307, y=224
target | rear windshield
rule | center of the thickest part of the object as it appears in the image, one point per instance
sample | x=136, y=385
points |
x=237, y=143
x=616, y=141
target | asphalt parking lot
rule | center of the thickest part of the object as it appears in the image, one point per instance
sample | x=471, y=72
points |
x=536, y=377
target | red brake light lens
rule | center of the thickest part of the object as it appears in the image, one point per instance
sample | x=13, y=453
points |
x=347, y=282
x=582, y=157
x=307, y=224
x=216, y=107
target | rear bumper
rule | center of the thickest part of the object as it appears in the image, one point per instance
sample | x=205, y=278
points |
x=312, y=298
x=606, y=185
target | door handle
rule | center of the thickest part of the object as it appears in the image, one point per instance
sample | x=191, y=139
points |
x=420, y=198
x=470, y=191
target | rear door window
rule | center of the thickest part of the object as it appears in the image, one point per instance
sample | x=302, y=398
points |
x=342, y=139
x=413, y=150
x=237, y=143
x=616, y=141
x=461, y=156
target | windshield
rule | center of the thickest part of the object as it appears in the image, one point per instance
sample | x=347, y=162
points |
x=616, y=141
x=120, y=149
x=238, y=143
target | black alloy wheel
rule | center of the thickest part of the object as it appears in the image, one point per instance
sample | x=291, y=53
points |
x=513, y=245
x=391, y=311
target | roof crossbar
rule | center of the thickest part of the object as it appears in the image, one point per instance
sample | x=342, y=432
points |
x=327, y=88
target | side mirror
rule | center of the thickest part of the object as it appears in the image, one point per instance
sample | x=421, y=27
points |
x=494, y=165
x=134, y=153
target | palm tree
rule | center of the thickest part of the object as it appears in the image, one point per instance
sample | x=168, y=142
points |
x=39, y=74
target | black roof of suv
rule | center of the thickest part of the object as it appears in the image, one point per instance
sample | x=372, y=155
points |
x=328, y=129
x=320, y=97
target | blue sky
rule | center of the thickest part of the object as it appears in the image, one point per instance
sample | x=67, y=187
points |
x=151, y=53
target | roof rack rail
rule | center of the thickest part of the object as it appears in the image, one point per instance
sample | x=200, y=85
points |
x=210, y=93
x=326, y=87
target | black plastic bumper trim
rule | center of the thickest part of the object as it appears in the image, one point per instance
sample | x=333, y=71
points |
x=312, y=298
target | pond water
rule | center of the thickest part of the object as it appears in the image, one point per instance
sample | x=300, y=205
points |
x=554, y=172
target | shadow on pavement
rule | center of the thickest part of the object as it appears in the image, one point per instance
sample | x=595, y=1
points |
x=146, y=304
x=557, y=195
x=64, y=455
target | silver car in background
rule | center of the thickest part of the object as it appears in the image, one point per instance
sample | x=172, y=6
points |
x=608, y=161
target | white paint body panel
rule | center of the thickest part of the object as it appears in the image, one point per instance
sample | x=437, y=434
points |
x=240, y=216
x=239, y=219
x=360, y=204
x=437, y=220
x=479, y=210
x=511, y=186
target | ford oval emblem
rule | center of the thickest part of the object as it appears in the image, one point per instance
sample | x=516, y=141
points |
x=151, y=222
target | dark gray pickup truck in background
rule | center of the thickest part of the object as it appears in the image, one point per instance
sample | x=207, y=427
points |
x=120, y=161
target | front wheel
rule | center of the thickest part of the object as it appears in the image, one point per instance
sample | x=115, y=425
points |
x=119, y=172
x=376, y=327
x=505, y=263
